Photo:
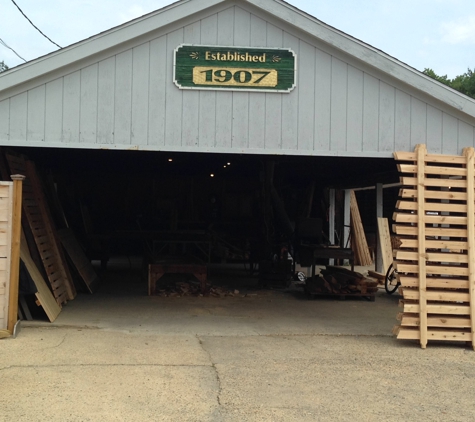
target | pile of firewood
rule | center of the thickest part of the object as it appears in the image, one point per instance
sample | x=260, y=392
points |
x=337, y=280
x=179, y=289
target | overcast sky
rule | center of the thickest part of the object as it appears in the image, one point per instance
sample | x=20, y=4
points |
x=438, y=34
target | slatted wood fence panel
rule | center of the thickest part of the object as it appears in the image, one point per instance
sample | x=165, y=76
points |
x=435, y=220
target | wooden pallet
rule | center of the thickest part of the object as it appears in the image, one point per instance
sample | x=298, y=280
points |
x=435, y=220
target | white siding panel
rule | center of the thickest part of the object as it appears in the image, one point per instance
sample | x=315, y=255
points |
x=418, y=122
x=123, y=98
x=88, y=114
x=274, y=101
x=140, y=85
x=240, y=122
x=355, y=109
x=402, y=139
x=207, y=104
x=339, y=84
x=290, y=102
x=71, y=107
x=36, y=114
x=306, y=109
x=449, y=134
x=5, y=119
x=191, y=99
x=221, y=32
x=173, y=128
x=18, y=117
x=434, y=130
x=386, y=117
x=54, y=111
x=370, y=113
x=257, y=100
x=323, y=74
x=106, y=101
x=159, y=62
x=466, y=136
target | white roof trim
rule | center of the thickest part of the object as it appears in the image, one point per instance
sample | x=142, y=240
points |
x=278, y=8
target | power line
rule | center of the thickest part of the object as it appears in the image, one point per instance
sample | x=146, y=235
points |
x=5, y=45
x=34, y=26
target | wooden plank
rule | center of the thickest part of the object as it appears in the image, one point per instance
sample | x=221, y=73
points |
x=15, y=251
x=450, y=245
x=432, y=269
x=443, y=183
x=430, y=219
x=421, y=183
x=437, y=296
x=79, y=258
x=437, y=170
x=44, y=295
x=437, y=309
x=434, y=194
x=432, y=158
x=434, y=282
x=402, y=255
x=431, y=231
x=449, y=335
x=469, y=154
x=433, y=206
x=412, y=320
x=385, y=242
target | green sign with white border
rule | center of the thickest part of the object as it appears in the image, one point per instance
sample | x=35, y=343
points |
x=234, y=68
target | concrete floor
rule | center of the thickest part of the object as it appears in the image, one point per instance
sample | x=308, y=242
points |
x=119, y=355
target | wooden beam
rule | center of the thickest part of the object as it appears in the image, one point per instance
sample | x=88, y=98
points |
x=470, y=157
x=15, y=252
x=421, y=152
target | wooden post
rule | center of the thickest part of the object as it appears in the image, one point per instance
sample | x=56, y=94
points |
x=347, y=221
x=15, y=252
x=470, y=156
x=421, y=152
x=379, y=214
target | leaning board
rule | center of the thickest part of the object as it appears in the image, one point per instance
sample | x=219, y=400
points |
x=435, y=220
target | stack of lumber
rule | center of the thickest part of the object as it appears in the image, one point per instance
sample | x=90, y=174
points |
x=359, y=243
x=435, y=222
x=342, y=282
x=169, y=287
x=41, y=249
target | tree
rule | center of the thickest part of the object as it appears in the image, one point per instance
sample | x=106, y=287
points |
x=3, y=66
x=463, y=83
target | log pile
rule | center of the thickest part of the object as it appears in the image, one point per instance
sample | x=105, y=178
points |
x=435, y=222
x=342, y=282
x=359, y=244
x=168, y=287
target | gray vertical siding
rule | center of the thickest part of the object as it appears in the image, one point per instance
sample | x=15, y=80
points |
x=129, y=100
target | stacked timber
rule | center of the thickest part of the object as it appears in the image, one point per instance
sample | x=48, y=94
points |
x=435, y=262
x=342, y=282
x=359, y=243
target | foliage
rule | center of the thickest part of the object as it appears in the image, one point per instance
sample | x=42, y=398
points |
x=3, y=66
x=463, y=83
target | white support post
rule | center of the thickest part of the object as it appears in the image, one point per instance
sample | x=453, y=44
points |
x=379, y=214
x=331, y=221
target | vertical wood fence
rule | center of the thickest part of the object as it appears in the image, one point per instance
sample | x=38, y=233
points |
x=435, y=262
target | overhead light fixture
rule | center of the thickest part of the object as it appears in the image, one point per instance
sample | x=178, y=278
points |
x=211, y=175
x=170, y=160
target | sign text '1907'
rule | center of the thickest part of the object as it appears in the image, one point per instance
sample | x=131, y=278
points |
x=233, y=76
